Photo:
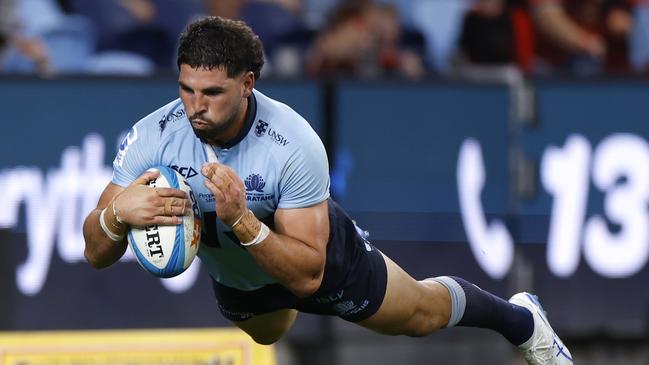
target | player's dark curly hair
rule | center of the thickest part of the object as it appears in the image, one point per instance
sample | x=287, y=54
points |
x=218, y=42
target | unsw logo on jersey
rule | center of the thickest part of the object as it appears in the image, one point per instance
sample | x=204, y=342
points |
x=262, y=128
x=255, y=188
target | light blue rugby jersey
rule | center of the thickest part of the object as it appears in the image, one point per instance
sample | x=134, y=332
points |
x=279, y=157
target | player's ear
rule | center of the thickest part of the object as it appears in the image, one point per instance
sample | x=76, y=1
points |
x=248, y=83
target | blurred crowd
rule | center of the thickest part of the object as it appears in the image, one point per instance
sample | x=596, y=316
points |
x=331, y=38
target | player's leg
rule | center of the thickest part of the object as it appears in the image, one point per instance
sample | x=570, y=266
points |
x=266, y=329
x=417, y=308
x=410, y=307
x=521, y=320
x=264, y=313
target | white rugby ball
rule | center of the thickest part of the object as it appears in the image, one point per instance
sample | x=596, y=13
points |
x=166, y=251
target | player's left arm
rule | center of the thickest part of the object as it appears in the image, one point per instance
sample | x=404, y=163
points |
x=294, y=253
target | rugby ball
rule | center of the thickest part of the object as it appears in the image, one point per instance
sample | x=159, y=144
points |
x=166, y=251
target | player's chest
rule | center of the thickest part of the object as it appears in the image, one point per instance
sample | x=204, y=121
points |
x=258, y=173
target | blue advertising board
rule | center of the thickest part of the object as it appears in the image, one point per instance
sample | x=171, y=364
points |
x=425, y=168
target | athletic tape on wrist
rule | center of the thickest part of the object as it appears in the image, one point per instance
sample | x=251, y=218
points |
x=102, y=222
x=249, y=230
x=261, y=236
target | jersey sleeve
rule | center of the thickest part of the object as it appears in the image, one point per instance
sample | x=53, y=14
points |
x=305, y=178
x=136, y=153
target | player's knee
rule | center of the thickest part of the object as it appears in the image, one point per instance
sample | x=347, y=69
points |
x=266, y=338
x=409, y=329
x=424, y=325
x=420, y=331
x=268, y=328
x=265, y=335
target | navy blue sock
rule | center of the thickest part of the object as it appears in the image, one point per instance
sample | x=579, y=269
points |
x=474, y=307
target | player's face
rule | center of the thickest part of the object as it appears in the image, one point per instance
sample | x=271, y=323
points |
x=215, y=104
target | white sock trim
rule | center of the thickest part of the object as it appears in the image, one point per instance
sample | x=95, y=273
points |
x=458, y=298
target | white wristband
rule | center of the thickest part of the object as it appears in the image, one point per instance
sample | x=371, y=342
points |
x=104, y=227
x=261, y=236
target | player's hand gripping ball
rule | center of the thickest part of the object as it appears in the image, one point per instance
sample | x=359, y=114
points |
x=167, y=251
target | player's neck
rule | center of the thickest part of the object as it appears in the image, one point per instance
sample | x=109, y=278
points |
x=232, y=131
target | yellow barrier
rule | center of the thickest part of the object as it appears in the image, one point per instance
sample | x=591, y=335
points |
x=134, y=347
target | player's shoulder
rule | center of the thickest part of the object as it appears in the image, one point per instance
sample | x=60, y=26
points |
x=147, y=134
x=282, y=125
x=163, y=120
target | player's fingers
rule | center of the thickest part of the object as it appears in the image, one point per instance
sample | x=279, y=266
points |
x=185, y=208
x=212, y=186
x=171, y=206
x=209, y=173
x=221, y=181
x=180, y=207
x=229, y=176
x=215, y=173
x=183, y=204
x=167, y=207
x=226, y=182
x=178, y=210
x=167, y=210
x=208, y=169
x=233, y=176
x=146, y=177
x=218, y=194
x=216, y=176
x=171, y=193
x=165, y=220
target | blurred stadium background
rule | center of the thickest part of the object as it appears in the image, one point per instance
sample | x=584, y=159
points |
x=466, y=137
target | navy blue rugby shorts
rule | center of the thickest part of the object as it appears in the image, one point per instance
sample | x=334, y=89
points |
x=353, y=286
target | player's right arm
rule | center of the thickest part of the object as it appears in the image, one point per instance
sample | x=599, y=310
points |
x=129, y=195
x=137, y=205
x=101, y=251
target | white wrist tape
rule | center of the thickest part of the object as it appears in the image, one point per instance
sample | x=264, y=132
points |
x=104, y=227
x=115, y=213
x=239, y=219
x=261, y=236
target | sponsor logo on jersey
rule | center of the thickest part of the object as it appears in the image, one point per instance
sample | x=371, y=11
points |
x=330, y=298
x=170, y=118
x=364, y=235
x=239, y=315
x=260, y=128
x=209, y=198
x=255, y=188
x=186, y=172
x=344, y=307
x=349, y=308
x=123, y=146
